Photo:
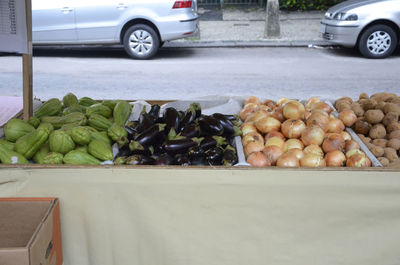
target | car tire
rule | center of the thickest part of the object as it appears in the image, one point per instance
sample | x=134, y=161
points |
x=378, y=42
x=141, y=42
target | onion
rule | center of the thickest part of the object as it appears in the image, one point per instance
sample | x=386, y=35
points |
x=319, y=119
x=288, y=160
x=313, y=149
x=312, y=160
x=256, y=116
x=307, y=114
x=350, y=145
x=258, y=159
x=335, y=125
x=335, y=158
x=252, y=137
x=348, y=117
x=354, y=152
x=282, y=102
x=293, y=128
x=311, y=102
x=293, y=143
x=272, y=153
x=297, y=152
x=247, y=128
x=247, y=110
x=274, y=134
x=270, y=103
x=358, y=160
x=346, y=136
x=275, y=141
x=278, y=114
x=333, y=142
x=322, y=106
x=267, y=109
x=312, y=135
x=293, y=110
x=252, y=147
x=268, y=124
x=252, y=99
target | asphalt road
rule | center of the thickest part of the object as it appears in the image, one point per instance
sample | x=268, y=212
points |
x=197, y=72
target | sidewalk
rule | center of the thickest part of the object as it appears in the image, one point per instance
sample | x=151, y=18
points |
x=245, y=27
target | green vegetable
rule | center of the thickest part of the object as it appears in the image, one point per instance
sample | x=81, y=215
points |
x=16, y=128
x=80, y=158
x=110, y=103
x=80, y=135
x=120, y=160
x=53, y=158
x=96, y=135
x=11, y=157
x=43, y=151
x=61, y=142
x=7, y=144
x=118, y=133
x=51, y=107
x=74, y=108
x=100, y=150
x=47, y=126
x=34, y=121
x=121, y=112
x=83, y=148
x=99, y=109
x=70, y=100
x=99, y=122
x=85, y=101
x=58, y=122
x=30, y=143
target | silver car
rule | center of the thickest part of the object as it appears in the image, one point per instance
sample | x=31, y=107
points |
x=142, y=26
x=371, y=25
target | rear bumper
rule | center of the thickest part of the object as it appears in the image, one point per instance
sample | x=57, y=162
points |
x=178, y=29
x=340, y=33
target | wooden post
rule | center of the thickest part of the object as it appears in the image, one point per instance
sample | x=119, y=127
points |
x=27, y=65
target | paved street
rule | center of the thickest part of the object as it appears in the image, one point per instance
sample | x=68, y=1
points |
x=178, y=73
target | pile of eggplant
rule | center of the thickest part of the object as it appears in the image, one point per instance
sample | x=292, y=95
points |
x=180, y=138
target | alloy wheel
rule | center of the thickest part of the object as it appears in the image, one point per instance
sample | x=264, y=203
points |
x=379, y=42
x=141, y=42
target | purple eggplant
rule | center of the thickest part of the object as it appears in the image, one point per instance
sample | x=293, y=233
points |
x=181, y=160
x=212, y=141
x=154, y=112
x=140, y=160
x=164, y=160
x=210, y=125
x=190, y=131
x=230, y=157
x=188, y=118
x=149, y=136
x=171, y=119
x=226, y=123
x=214, y=156
x=137, y=149
x=179, y=146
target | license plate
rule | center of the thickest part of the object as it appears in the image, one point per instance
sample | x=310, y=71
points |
x=323, y=28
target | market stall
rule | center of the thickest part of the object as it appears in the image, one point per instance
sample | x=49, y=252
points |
x=214, y=214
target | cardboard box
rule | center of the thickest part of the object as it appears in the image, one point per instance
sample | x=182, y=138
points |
x=30, y=232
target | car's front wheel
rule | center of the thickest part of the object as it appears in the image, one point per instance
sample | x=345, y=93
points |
x=141, y=41
x=377, y=42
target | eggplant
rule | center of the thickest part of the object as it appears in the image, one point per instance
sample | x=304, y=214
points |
x=140, y=160
x=231, y=117
x=164, y=160
x=210, y=125
x=124, y=151
x=145, y=122
x=171, y=119
x=187, y=119
x=150, y=135
x=226, y=123
x=154, y=112
x=197, y=108
x=121, y=160
x=137, y=149
x=198, y=161
x=212, y=141
x=191, y=130
x=230, y=156
x=181, y=160
x=179, y=146
x=214, y=156
x=132, y=126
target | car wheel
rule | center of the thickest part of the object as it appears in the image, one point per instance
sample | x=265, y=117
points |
x=377, y=42
x=141, y=41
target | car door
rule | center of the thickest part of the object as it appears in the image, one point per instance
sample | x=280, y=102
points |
x=53, y=21
x=98, y=20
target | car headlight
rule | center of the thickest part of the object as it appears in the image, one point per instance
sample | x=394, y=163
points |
x=345, y=17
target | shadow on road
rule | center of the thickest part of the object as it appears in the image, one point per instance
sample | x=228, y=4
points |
x=104, y=52
x=353, y=53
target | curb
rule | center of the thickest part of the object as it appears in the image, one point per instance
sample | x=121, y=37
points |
x=245, y=44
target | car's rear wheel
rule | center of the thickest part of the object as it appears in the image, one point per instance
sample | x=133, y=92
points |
x=377, y=42
x=141, y=41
